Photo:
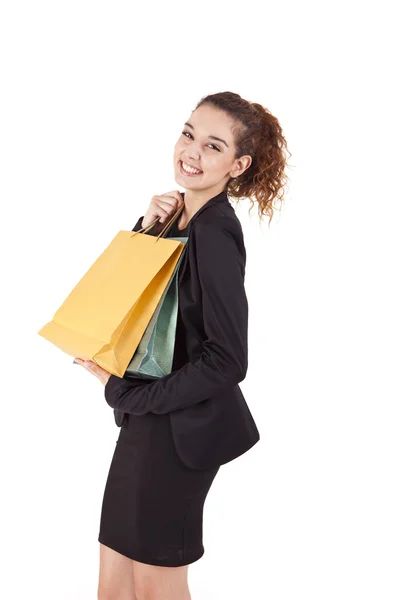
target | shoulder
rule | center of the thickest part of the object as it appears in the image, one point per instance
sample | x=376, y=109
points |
x=217, y=234
x=220, y=221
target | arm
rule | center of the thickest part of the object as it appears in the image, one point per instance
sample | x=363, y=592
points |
x=223, y=362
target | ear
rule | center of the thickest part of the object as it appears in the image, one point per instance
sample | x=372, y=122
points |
x=242, y=164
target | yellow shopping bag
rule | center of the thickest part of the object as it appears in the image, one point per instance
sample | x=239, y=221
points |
x=105, y=316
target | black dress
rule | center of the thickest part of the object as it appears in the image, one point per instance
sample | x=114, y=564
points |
x=152, y=509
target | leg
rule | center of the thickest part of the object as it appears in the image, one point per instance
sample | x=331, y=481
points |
x=161, y=583
x=115, y=576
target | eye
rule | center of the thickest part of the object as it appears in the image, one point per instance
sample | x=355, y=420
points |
x=213, y=145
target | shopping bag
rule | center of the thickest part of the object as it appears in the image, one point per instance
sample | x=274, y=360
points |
x=153, y=357
x=106, y=314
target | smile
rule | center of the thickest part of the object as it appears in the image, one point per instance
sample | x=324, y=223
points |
x=188, y=171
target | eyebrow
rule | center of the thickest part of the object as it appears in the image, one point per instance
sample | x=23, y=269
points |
x=211, y=137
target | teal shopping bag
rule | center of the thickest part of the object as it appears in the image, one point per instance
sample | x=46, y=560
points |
x=154, y=355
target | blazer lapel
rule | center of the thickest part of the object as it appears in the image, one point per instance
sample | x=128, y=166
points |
x=222, y=197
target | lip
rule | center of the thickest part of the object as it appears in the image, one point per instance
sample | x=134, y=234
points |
x=188, y=174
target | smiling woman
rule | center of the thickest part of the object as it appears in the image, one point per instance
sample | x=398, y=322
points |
x=177, y=431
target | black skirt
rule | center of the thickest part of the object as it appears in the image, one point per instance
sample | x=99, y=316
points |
x=152, y=508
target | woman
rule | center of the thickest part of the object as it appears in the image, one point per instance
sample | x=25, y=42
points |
x=177, y=431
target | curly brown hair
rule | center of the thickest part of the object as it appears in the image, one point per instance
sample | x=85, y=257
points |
x=259, y=134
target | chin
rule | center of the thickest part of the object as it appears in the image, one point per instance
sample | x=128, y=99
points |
x=187, y=184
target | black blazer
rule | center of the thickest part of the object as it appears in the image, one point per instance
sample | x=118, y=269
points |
x=210, y=420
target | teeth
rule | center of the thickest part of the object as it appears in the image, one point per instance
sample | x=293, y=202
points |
x=189, y=169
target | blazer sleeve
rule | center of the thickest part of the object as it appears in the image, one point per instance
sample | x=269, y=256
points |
x=223, y=362
x=138, y=224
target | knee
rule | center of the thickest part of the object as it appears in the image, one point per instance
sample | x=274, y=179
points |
x=107, y=593
x=145, y=591
x=157, y=595
x=160, y=583
x=160, y=590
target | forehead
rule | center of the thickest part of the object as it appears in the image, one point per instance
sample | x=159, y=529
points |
x=209, y=120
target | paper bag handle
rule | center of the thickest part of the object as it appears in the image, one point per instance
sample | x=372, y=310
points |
x=168, y=225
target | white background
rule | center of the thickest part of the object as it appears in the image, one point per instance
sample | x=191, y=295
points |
x=94, y=96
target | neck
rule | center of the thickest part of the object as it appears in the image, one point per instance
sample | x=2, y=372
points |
x=195, y=199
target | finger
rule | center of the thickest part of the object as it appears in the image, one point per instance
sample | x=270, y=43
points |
x=176, y=195
x=88, y=364
x=164, y=209
x=169, y=205
x=93, y=367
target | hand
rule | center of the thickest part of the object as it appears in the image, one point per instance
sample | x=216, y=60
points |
x=164, y=206
x=91, y=366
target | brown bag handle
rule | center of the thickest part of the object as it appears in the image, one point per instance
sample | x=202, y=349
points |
x=167, y=226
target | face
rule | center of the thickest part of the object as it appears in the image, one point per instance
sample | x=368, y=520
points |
x=207, y=144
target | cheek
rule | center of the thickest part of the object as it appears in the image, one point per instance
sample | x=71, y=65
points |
x=180, y=144
x=216, y=163
x=177, y=150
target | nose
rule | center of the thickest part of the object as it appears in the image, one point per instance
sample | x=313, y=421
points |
x=193, y=151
